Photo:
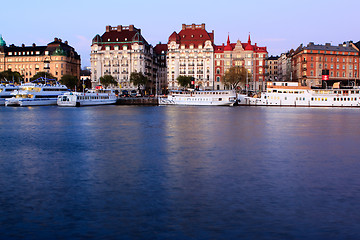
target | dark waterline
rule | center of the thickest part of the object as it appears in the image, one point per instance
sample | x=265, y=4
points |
x=123, y=172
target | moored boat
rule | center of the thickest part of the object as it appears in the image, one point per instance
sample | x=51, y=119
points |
x=292, y=94
x=201, y=98
x=89, y=98
x=32, y=94
x=5, y=92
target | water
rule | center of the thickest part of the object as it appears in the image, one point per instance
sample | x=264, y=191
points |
x=171, y=172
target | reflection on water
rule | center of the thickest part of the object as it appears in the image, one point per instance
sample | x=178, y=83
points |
x=171, y=172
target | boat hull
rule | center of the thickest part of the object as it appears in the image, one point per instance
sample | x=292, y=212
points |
x=30, y=102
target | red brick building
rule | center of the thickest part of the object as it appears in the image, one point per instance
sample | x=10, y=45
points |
x=341, y=61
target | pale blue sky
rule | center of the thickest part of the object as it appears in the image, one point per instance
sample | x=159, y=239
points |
x=278, y=24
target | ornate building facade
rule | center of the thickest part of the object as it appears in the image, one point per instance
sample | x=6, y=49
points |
x=191, y=53
x=57, y=58
x=120, y=51
x=252, y=57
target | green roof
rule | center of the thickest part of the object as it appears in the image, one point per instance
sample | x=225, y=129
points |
x=59, y=52
x=2, y=42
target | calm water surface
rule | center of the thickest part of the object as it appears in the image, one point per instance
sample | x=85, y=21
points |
x=123, y=172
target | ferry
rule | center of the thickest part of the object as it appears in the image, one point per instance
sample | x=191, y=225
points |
x=34, y=94
x=293, y=94
x=200, y=98
x=91, y=97
x=5, y=92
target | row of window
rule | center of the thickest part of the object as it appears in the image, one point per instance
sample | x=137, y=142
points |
x=24, y=53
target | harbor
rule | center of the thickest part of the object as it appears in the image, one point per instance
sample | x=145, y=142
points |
x=163, y=172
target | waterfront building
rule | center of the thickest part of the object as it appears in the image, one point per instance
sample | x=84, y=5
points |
x=160, y=51
x=272, y=68
x=57, y=58
x=341, y=62
x=191, y=53
x=284, y=66
x=252, y=57
x=120, y=51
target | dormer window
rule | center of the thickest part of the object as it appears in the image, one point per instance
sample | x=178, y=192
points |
x=201, y=36
x=192, y=36
x=125, y=39
x=108, y=39
x=183, y=36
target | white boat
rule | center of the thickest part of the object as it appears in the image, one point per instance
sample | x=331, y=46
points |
x=201, y=98
x=5, y=92
x=32, y=94
x=292, y=94
x=91, y=97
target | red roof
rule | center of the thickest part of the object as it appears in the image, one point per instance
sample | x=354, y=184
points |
x=192, y=34
x=246, y=46
x=159, y=48
x=125, y=36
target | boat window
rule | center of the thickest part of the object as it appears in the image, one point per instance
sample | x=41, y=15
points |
x=312, y=99
x=274, y=91
x=220, y=99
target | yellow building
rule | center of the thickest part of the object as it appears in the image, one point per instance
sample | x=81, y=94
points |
x=57, y=58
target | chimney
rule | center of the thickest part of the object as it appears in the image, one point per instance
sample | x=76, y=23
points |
x=23, y=45
x=34, y=45
x=66, y=42
x=56, y=39
x=327, y=44
x=193, y=26
x=131, y=27
x=203, y=26
x=119, y=28
x=60, y=40
x=108, y=28
x=183, y=27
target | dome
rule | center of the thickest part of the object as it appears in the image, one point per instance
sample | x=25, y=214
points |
x=97, y=39
x=2, y=42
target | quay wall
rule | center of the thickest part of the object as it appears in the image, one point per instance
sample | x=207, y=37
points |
x=137, y=101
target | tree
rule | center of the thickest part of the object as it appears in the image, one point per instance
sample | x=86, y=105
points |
x=184, y=81
x=235, y=76
x=138, y=79
x=43, y=75
x=69, y=81
x=9, y=76
x=107, y=80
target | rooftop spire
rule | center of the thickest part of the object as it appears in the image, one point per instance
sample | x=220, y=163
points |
x=249, y=40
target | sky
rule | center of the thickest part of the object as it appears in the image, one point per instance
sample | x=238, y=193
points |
x=280, y=25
